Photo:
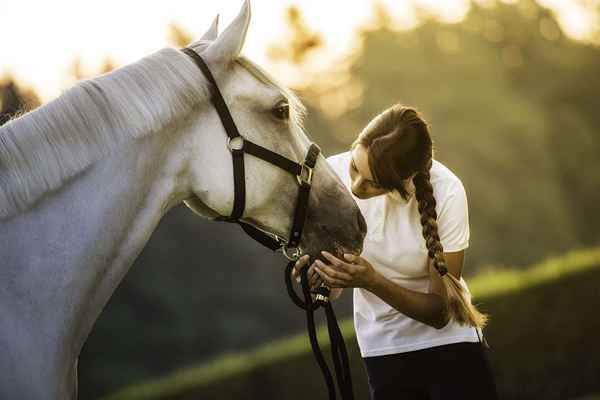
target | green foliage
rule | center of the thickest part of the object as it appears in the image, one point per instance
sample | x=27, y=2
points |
x=512, y=106
x=15, y=100
x=540, y=333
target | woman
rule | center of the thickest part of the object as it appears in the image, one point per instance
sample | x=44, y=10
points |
x=418, y=333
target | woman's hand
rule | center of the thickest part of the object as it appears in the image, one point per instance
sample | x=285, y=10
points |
x=314, y=279
x=355, y=271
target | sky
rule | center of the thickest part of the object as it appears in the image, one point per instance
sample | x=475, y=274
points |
x=41, y=39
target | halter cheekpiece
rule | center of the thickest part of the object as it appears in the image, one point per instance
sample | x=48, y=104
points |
x=238, y=146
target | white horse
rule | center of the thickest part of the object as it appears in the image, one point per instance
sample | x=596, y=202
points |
x=85, y=179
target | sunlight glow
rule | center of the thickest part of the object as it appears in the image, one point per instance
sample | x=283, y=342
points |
x=42, y=39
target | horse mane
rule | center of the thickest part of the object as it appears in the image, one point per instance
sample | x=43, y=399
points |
x=41, y=150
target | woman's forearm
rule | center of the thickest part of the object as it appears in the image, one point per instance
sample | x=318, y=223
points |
x=428, y=308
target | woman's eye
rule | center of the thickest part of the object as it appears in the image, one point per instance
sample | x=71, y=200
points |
x=281, y=111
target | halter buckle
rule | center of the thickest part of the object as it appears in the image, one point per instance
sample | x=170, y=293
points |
x=305, y=175
x=235, y=143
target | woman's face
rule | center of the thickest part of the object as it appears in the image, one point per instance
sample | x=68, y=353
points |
x=363, y=183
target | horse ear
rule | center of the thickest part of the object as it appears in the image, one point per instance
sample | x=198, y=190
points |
x=228, y=45
x=212, y=32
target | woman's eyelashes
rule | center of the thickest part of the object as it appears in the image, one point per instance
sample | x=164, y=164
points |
x=353, y=165
x=367, y=182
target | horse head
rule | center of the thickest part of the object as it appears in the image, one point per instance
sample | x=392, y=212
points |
x=269, y=115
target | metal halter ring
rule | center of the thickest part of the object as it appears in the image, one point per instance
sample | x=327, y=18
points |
x=305, y=175
x=322, y=294
x=294, y=256
x=235, y=143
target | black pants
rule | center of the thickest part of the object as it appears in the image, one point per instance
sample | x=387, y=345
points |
x=457, y=371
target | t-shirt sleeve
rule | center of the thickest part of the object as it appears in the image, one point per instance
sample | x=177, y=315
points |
x=453, y=220
x=336, y=163
x=333, y=161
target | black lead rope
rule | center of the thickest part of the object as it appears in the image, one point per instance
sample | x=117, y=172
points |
x=336, y=339
x=239, y=145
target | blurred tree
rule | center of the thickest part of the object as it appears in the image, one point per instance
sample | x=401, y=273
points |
x=511, y=103
x=15, y=100
x=299, y=41
x=177, y=36
x=76, y=71
x=108, y=65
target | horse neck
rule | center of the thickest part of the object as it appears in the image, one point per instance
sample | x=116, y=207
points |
x=63, y=259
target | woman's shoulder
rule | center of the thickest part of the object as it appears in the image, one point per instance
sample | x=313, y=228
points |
x=339, y=158
x=339, y=162
x=443, y=180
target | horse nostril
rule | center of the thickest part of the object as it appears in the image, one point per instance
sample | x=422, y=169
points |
x=362, y=224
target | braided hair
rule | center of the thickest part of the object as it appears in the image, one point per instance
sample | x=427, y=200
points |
x=400, y=148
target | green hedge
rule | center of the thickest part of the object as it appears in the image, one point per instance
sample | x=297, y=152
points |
x=542, y=337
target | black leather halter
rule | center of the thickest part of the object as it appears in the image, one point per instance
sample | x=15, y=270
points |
x=238, y=145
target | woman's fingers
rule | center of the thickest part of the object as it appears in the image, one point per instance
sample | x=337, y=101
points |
x=333, y=278
x=314, y=279
x=340, y=273
x=331, y=281
x=339, y=264
x=333, y=273
x=300, y=263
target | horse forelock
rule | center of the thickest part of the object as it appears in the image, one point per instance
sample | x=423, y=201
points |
x=44, y=148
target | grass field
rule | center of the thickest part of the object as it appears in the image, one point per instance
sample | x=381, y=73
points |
x=542, y=337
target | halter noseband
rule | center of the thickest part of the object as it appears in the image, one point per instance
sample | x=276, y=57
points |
x=238, y=145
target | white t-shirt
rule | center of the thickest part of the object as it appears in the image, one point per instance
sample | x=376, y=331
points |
x=394, y=245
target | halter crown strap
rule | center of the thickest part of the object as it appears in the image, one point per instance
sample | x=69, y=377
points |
x=216, y=97
x=239, y=175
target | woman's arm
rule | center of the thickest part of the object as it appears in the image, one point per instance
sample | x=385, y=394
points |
x=429, y=308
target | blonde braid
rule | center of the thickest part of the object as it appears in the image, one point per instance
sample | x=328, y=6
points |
x=459, y=307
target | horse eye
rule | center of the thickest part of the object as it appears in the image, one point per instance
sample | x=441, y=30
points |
x=281, y=111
